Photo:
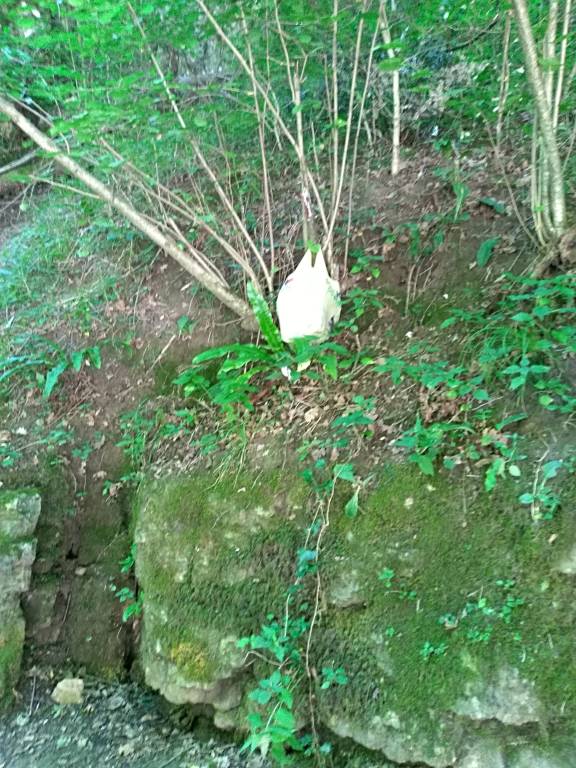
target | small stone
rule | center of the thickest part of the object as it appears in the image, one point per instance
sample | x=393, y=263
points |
x=126, y=750
x=69, y=691
x=116, y=702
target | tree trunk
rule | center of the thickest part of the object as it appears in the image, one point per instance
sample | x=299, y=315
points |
x=148, y=228
x=547, y=132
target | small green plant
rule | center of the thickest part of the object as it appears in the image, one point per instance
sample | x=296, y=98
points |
x=129, y=561
x=356, y=304
x=134, y=603
x=426, y=442
x=476, y=620
x=365, y=263
x=430, y=651
x=387, y=576
x=331, y=676
x=542, y=500
x=246, y=367
x=46, y=368
x=185, y=324
x=453, y=176
x=519, y=373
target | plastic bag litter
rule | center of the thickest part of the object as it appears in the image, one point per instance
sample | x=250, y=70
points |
x=308, y=303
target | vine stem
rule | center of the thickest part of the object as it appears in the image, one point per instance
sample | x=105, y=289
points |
x=309, y=672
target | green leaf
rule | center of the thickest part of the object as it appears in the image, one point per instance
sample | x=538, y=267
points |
x=77, y=358
x=351, y=508
x=52, y=378
x=491, y=202
x=522, y=317
x=545, y=400
x=514, y=470
x=526, y=498
x=264, y=317
x=485, y=250
x=517, y=382
x=260, y=696
x=513, y=419
x=551, y=469
x=285, y=719
x=344, y=472
x=94, y=356
x=425, y=463
x=330, y=365
x=185, y=324
x=391, y=64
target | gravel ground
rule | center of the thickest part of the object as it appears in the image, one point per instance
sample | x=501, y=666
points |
x=117, y=726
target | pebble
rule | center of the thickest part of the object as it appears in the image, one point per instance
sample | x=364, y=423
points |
x=69, y=691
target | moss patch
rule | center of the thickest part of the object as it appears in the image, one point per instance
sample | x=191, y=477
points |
x=466, y=573
x=11, y=643
x=215, y=555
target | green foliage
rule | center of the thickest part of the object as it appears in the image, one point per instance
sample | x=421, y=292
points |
x=142, y=432
x=543, y=501
x=485, y=251
x=265, y=320
x=520, y=345
x=45, y=363
x=276, y=734
x=134, y=602
x=245, y=368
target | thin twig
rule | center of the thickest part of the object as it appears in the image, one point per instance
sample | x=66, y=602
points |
x=343, y=163
x=509, y=188
x=504, y=79
x=356, y=142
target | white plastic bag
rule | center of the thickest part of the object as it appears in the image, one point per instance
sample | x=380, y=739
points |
x=308, y=303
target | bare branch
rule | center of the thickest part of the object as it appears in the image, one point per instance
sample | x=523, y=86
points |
x=187, y=260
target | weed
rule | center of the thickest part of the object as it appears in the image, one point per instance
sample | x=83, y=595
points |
x=430, y=651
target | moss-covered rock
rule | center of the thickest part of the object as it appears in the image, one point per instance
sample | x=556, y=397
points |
x=214, y=555
x=441, y=602
x=81, y=539
x=11, y=646
x=19, y=512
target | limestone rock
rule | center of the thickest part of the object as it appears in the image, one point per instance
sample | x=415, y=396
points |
x=215, y=556
x=528, y=757
x=189, y=648
x=399, y=741
x=508, y=698
x=69, y=691
x=484, y=754
x=19, y=513
x=222, y=693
